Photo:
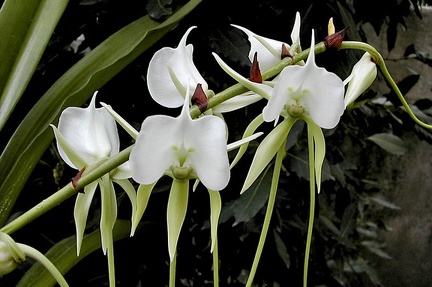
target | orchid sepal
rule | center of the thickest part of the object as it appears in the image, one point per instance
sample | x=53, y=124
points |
x=176, y=213
x=250, y=129
x=266, y=151
x=81, y=209
x=143, y=196
x=319, y=150
x=215, y=210
x=121, y=121
x=171, y=71
x=261, y=89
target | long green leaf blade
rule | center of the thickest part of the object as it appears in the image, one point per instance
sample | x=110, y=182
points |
x=39, y=32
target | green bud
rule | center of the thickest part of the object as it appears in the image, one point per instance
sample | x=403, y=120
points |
x=7, y=261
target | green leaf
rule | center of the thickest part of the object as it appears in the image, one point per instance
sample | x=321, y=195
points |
x=389, y=142
x=157, y=8
x=384, y=203
x=33, y=29
x=282, y=249
x=63, y=255
x=33, y=136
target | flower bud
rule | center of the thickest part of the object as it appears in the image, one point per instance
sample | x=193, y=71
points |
x=334, y=41
x=7, y=261
x=362, y=76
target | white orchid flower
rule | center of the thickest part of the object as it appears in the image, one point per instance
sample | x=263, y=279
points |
x=309, y=91
x=299, y=91
x=170, y=71
x=270, y=51
x=362, y=76
x=87, y=136
x=184, y=147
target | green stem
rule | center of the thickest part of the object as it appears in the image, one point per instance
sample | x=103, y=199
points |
x=215, y=264
x=378, y=59
x=172, y=269
x=66, y=192
x=35, y=254
x=270, y=204
x=311, y=206
x=111, y=268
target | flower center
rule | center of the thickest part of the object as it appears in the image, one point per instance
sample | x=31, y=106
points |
x=181, y=169
x=295, y=107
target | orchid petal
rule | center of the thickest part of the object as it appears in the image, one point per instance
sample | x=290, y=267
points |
x=295, y=33
x=91, y=132
x=269, y=50
x=362, y=76
x=168, y=63
x=325, y=98
x=243, y=141
x=154, y=152
x=250, y=129
x=237, y=102
x=207, y=137
x=70, y=155
x=82, y=206
x=176, y=212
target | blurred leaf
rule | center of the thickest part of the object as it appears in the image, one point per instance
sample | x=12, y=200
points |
x=367, y=232
x=384, y=203
x=282, y=249
x=330, y=225
x=33, y=136
x=337, y=171
x=405, y=86
x=299, y=164
x=389, y=142
x=250, y=202
x=23, y=54
x=63, y=255
x=348, y=220
x=376, y=248
x=157, y=8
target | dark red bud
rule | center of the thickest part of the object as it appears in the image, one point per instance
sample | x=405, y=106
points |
x=77, y=177
x=334, y=41
x=285, y=53
x=255, y=73
x=199, y=98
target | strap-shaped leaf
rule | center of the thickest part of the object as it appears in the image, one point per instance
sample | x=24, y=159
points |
x=26, y=36
x=33, y=135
